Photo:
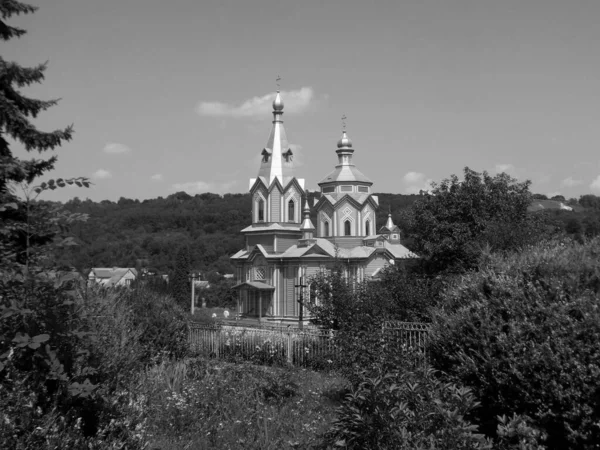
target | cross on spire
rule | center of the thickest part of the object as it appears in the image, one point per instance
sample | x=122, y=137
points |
x=277, y=80
x=344, y=122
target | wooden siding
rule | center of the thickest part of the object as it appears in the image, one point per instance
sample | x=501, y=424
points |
x=285, y=242
x=348, y=241
x=265, y=240
x=275, y=205
x=290, y=300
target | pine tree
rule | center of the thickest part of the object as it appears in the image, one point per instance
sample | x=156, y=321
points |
x=16, y=113
x=180, y=285
x=17, y=110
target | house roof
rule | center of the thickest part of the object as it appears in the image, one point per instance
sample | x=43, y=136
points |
x=259, y=285
x=111, y=276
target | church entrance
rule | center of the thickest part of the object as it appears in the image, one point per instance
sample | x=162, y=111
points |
x=255, y=299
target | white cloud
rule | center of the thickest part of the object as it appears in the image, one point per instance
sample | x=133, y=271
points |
x=157, y=177
x=413, y=177
x=570, y=182
x=295, y=102
x=595, y=185
x=196, y=187
x=115, y=148
x=415, y=182
x=499, y=168
x=101, y=174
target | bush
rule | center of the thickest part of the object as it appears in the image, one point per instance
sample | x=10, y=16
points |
x=407, y=410
x=523, y=332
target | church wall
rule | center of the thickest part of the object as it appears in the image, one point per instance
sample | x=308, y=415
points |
x=290, y=288
x=347, y=241
x=265, y=240
x=285, y=242
x=275, y=200
x=297, y=197
x=344, y=212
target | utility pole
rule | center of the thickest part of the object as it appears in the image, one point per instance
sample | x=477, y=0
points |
x=193, y=276
x=301, y=286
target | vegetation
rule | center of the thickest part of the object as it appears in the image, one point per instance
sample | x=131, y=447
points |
x=523, y=332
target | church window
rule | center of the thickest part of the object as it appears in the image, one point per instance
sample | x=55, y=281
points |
x=329, y=189
x=394, y=236
x=260, y=273
x=363, y=189
x=346, y=188
x=347, y=228
x=326, y=228
x=367, y=228
x=291, y=211
x=261, y=210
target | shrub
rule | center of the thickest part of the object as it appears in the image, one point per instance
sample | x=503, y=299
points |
x=406, y=410
x=523, y=332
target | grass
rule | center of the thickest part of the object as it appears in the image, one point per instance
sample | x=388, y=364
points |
x=208, y=404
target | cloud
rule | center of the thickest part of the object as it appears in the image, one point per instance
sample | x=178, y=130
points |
x=415, y=182
x=499, y=168
x=157, y=177
x=196, y=187
x=413, y=177
x=101, y=174
x=296, y=102
x=116, y=148
x=570, y=182
x=595, y=185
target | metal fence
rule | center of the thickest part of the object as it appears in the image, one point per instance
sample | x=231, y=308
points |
x=309, y=347
x=300, y=347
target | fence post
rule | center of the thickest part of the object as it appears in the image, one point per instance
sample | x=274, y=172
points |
x=290, y=358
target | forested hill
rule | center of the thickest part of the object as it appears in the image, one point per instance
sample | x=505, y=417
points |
x=132, y=233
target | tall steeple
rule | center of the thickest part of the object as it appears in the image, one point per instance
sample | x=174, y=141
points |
x=277, y=157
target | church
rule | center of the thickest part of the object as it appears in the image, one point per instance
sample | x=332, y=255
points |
x=284, y=249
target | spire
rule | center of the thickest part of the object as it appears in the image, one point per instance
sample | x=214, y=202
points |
x=345, y=149
x=390, y=223
x=307, y=223
x=277, y=157
x=307, y=227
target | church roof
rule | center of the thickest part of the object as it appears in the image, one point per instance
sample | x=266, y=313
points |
x=277, y=157
x=347, y=174
x=275, y=226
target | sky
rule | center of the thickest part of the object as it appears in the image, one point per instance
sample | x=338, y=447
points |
x=176, y=95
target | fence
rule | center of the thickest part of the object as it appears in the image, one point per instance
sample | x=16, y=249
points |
x=311, y=347
x=299, y=347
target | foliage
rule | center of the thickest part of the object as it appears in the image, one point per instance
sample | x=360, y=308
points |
x=180, y=285
x=406, y=410
x=523, y=333
x=198, y=403
x=458, y=218
x=358, y=312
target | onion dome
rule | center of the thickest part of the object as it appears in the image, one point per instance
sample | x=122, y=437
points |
x=277, y=103
x=345, y=141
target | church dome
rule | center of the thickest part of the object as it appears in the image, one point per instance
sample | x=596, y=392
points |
x=344, y=141
x=277, y=103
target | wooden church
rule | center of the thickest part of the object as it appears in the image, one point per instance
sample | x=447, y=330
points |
x=284, y=248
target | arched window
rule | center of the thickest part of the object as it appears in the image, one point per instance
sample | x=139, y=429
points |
x=347, y=228
x=261, y=210
x=367, y=228
x=291, y=211
x=326, y=228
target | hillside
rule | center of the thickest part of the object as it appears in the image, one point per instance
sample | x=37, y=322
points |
x=132, y=232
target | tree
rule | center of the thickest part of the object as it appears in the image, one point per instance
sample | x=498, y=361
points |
x=180, y=286
x=559, y=198
x=16, y=112
x=458, y=218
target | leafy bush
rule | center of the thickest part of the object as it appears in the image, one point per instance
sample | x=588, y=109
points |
x=523, y=332
x=406, y=410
